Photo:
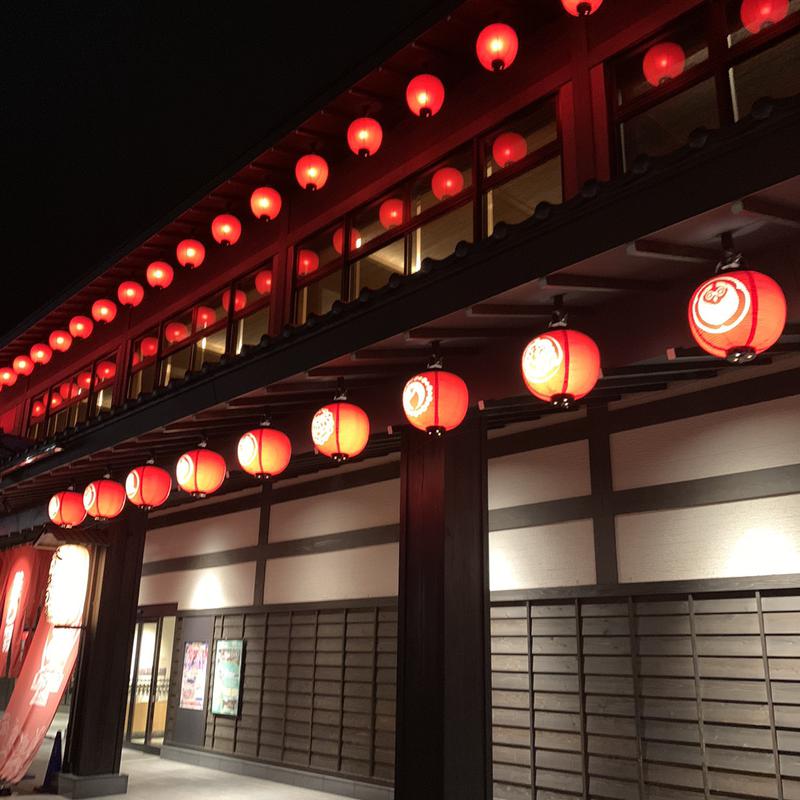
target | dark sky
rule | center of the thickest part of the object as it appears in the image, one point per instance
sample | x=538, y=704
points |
x=112, y=113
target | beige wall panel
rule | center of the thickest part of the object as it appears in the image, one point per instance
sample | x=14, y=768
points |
x=545, y=555
x=723, y=443
x=347, y=510
x=550, y=473
x=342, y=575
x=211, y=535
x=746, y=538
x=214, y=587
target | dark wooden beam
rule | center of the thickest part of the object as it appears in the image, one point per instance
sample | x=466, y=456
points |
x=409, y=353
x=435, y=334
x=772, y=212
x=362, y=370
x=652, y=248
x=510, y=310
x=595, y=283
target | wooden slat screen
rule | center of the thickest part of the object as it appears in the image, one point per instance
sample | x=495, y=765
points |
x=634, y=698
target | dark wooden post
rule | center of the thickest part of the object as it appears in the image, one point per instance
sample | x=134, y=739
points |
x=443, y=693
x=94, y=742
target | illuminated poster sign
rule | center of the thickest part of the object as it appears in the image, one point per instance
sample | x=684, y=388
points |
x=13, y=603
x=193, y=679
x=228, y=657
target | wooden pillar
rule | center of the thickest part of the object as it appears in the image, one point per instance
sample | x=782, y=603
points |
x=94, y=742
x=443, y=713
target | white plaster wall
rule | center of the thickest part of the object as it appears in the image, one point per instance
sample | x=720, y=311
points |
x=213, y=587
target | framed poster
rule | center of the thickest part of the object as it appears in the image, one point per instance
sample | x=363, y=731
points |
x=193, y=679
x=228, y=659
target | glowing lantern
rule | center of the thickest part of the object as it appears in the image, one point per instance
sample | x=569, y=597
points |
x=37, y=409
x=60, y=341
x=226, y=229
x=68, y=391
x=55, y=401
x=338, y=239
x=66, y=509
x=447, y=182
x=23, y=365
x=390, y=213
x=81, y=327
x=104, y=499
x=364, y=136
x=264, y=452
x=84, y=380
x=190, y=253
x=497, y=46
x=106, y=370
x=160, y=274
x=663, y=62
x=205, y=318
x=200, y=472
x=737, y=314
x=264, y=282
x=104, y=310
x=425, y=95
x=130, y=293
x=239, y=300
x=561, y=366
x=435, y=401
x=148, y=347
x=265, y=203
x=148, y=487
x=67, y=584
x=7, y=377
x=507, y=148
x=311, y=172
x=307, y=262
x=581, y=8
x=759, y=14
x=41, y=354
x=175, y=332
x=340, y=431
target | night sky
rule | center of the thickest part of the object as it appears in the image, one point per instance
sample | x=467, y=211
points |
x=114, y=113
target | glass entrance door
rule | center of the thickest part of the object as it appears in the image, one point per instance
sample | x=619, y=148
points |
x=149, y=682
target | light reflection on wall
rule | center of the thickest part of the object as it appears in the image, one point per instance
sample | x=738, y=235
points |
x=764, y=550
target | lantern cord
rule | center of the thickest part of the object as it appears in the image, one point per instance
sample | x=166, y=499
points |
x=559, y=317
x=436, y=359
x=341, y=392
x=266, y=420
x=730, y=257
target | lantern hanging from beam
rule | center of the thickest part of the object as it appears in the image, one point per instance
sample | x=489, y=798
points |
x=307, y=262
x=200, y=472
x=41, y=354
x=425, y=95
x=175, y=332
x=67, y=584
x=226, y=229
x=663, y=62
x=160, y=274
x=81, y=327
x=7, y=377
x=759, y=14
x=265, y=203
x=509, y=147
x=66, y=509
x=55, y=401
x=239, y=300
x=190, y=253
x=104, y=310
x=311, y=172
x=148, y=486
x=104, y=499
x=264, y=282
x=205, y=317
x=264, y=452
x=447, y=182
x=340, y=430
x=435, y=401
x=148, y=347
x=130, y=293
x=60, y=340
x=581, y=8
x=338, y=239
x=364, y=136
x=497, y=46
x=390, y=213
x=23, y=365
x=105, y=372
x=37, y=409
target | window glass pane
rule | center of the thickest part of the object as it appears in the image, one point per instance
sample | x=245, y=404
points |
x=249, y=330
x=772, y=73
x=318, y=252
x=380, y=217
x=177, y=330
x=209, y=349
x=445, y=180
x=374, y=270
x=318, y=297
x=667, y=126
x=747, y=18
x=526, y=134
x=516, y=199
x=255, y=288
x=438, y=239
x=176, y=365
x=211, y=311
x=142, y=381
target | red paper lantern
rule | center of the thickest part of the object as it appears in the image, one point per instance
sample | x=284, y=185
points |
x=497, y=46
x=148, y=487
x=435, y=401
x=265, y=203
x=340, y=430
x=447, y=182
x=364, y=136
x=190, y=253
x=507, y=148
x=200, y=472
x=130, y=293
x=307, y=262
x=148, y=347
x=311, y=172
x=66, y=509
x=205, y=317
x=7, y=377
x=104, y=499
x=105, y=371
x=264, y=452
x=104, y=310
x=759, y=14
x=23, y=365
x=160, y=274
x=561, y=366
x=737, y=314
x=41, y=354
x=338, y=239
x=84, y=380
x=37, y=409
x=60, y=340
x=55, y=401
x=581, y=8
x=68, y=390
x=175, y=332
x=390, y=212
x=264, y=282
x=663, y=62
x=226, y=229
x=81, y=327
x=425, y=95
x=239, y=300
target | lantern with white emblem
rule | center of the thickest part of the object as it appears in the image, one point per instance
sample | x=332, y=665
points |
x=435, y=401
x=340, y=430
